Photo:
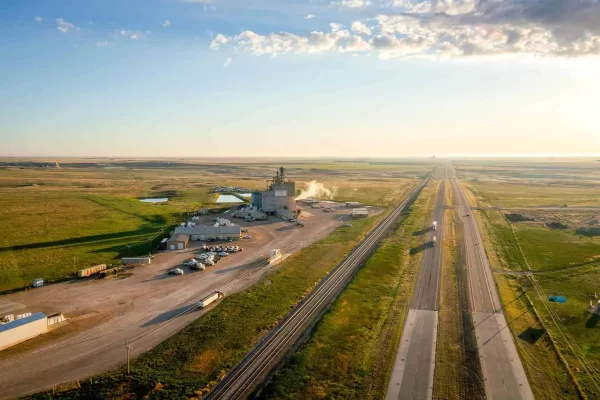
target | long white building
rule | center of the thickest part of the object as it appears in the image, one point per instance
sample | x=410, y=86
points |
x=210, y=232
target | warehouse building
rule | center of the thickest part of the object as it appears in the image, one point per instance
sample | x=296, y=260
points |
x=359, y=213
x=178, y=241
x=22, y=329
x=279, y=196
x=209, y=232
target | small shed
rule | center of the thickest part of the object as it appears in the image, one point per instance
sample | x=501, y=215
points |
x=178, y=242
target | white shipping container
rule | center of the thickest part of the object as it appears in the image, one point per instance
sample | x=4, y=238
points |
x=136, y=260
x=214, y=296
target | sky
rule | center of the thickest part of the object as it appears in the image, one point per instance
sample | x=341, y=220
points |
x=310, y=78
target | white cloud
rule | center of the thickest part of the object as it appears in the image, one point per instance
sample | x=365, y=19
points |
x=166, y=24
x=102, y=44
x=227, y=62
x=309, y=16
x=218, y=41
x=65, y=26
x=352, y=3
x=448, y=28
x=359, y=27
x=38, y=19
x=133, y=35
x=337, y=40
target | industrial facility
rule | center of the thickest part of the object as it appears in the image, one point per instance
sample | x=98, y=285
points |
x=278, y=199
x=359, y=212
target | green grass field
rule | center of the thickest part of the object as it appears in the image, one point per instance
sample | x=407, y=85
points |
x=192, y=361
x=352, y=351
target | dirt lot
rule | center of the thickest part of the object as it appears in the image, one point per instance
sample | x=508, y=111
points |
x=144, y=304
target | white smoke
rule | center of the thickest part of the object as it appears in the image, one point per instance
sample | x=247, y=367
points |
x=317, y=190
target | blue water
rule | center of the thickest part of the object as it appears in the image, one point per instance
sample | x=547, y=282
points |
x=228, y=198
x=157, y=200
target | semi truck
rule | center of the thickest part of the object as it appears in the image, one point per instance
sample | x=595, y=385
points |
x=434, y=225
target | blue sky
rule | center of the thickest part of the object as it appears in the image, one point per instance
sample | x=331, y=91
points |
x=298, y=78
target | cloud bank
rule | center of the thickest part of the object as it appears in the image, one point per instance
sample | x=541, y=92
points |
x=445, y=28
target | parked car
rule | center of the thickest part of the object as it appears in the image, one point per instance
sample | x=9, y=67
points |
x=190, y=263
x=202, y=256
x=230, y=239
x=348, y=225
x=230, y=249
x=176, y=271
x=199, y=266
x=244, y=230
x=223, y=254
x=247, y=237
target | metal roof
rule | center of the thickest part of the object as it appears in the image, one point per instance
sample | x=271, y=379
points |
x=179, y=237
x=208, y=230
x=23, y=321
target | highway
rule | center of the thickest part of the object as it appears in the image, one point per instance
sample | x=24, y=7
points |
x=503, y=373
x=243, y=380
x=412, y=375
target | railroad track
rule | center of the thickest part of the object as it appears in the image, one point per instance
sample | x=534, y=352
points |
x=247, y=375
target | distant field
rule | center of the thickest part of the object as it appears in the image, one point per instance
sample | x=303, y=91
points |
x=583, y=172
x=503, y=194
x=54, y=221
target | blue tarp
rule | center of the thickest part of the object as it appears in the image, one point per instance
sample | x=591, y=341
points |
x=557, y=299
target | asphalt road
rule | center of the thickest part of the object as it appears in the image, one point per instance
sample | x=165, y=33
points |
x=503, y=373
x=243, y=380
x=412, y=375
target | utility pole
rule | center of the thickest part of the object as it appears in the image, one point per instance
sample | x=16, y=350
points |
x=128, y=348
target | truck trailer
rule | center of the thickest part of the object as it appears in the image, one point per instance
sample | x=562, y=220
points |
x=211, y=298
x=433, y=241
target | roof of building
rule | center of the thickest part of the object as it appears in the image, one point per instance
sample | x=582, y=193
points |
x=208, y=230
x=179, y=237
x=23, y=321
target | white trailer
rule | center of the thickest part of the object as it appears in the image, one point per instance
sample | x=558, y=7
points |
x=434, y=225
x=211, y=298
x=136, y=260
x=433, y=241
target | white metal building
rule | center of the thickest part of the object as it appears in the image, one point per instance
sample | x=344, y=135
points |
x=210, y=232
x=178, y=241
x=22, y=329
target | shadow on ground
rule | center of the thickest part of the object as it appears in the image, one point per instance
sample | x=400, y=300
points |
x=423, y=247
x=592, y=322
x=168, y=315
x=531, y=335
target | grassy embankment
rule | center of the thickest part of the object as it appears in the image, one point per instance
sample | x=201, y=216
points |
x=192, y=361
x=541, y=361
x=352, y=350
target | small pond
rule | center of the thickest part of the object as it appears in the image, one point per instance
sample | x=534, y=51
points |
x=228, y=198
x=155, y=200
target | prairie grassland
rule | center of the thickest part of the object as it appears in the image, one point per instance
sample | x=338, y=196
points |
x=352, y=350
x=524, y=194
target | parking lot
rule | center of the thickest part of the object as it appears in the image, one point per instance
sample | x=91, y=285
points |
x=144, y=303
